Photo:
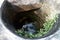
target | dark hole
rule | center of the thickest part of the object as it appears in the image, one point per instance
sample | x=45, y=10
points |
x=23, y=18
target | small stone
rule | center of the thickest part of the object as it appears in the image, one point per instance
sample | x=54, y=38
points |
x=29, y=28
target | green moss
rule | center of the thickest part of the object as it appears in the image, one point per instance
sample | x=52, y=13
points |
x=47, y=26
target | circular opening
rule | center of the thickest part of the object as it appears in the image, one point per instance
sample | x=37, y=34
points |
x=26, y=23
